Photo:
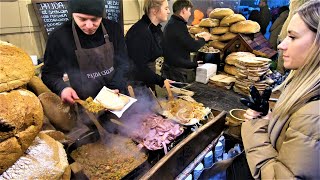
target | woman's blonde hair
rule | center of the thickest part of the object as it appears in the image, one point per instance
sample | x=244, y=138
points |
x=148, y=4
x=304, y=83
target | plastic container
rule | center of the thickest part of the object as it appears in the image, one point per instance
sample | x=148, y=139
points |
x=189, y=177
x=208, y=159
x=218, y=151
x=223, y=141
x=197, y=171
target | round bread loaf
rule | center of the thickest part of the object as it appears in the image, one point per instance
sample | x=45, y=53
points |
x=245, y=27
x=21, y=118
x=219, y=13
x=230, y=69
x=219, y=30
x=217, y=44
x=208, y=22
x=232, y=58
x=227, y=36
x=16, y=67
x=231, y=19
x=196, y=30
x=214, y=37
x=45, y=159
x=61, y=115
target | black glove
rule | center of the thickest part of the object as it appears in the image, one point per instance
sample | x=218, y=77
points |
x=257, y=102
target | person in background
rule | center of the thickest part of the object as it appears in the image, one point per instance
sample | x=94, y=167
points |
x=285, y=143
x=277, y=26
x=254, y=16
x=265, y=16
x=144, y=42
x=197, y=16
x=90, y=49
x=178, y=44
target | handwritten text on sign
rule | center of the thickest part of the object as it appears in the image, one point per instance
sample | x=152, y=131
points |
x=53, y=14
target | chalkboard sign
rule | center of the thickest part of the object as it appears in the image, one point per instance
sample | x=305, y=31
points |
x=53, y=13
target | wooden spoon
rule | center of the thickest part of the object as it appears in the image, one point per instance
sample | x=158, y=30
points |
x=167, y=84
x=102, y=132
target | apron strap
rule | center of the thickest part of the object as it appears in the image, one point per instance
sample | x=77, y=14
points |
x=76, y=37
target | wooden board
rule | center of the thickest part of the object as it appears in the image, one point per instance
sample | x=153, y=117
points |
x=53, y=13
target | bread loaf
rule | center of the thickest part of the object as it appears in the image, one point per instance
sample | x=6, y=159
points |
x=231, y=19
x=214, y=37
x=232, y=58
x=37, y=86
x=217, y=44
x=196, y=30
x=253, y=61
x=219, y=13
x=245, y=27
x=21, y=118
x=227, y=36
x=61, y=115
x=16, y=67
x=230, y=69
x=208, y=22
x=44, y=159
x=219, y=30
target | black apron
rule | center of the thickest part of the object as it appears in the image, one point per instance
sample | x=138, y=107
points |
x=95, y=65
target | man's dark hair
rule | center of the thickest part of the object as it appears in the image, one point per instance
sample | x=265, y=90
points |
x=178, y=5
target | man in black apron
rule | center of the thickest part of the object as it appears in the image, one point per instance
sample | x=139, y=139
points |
x=90, y=49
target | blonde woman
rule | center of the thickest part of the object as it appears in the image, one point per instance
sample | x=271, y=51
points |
x=285, y=143
x=144, y=42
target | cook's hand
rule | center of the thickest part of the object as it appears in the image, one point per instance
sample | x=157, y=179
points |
x=205, y=35
x=69, y=95
x=252, y=114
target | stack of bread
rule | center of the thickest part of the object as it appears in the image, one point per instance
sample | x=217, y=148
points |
x=24, y=153
x=248, y=70
x=224, y=24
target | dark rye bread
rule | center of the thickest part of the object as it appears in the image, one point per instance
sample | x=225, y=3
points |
x=21, y=118
x=16, y=67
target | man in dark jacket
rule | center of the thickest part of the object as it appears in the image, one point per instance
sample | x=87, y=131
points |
x=90, y=49
x=178, y=44
x=265, y=16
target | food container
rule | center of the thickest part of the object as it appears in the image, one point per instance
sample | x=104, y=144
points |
x=234, y=120
x=209, y=55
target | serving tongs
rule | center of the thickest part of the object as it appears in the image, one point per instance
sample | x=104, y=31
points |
x=102, y=132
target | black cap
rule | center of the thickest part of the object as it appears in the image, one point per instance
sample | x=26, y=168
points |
x=91, y=7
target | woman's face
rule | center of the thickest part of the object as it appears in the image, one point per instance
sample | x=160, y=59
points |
x=296, y=45
x=163, y=12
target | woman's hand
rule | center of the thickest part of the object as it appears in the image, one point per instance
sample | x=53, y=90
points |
x=68, y=95
x=252, y=114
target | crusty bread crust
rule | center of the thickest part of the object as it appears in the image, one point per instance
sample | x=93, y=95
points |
x=45, y=159
x=196, y=30
x=16, y=67
x=232, y=58
x=21, y=116
x=231, y=19
x=219, y=30
x=227, y=36
x=208, y=22
x=219, y=13
x=217, y=44
x=245, y=27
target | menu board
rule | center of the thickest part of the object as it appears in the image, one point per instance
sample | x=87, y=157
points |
x=53, y=13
